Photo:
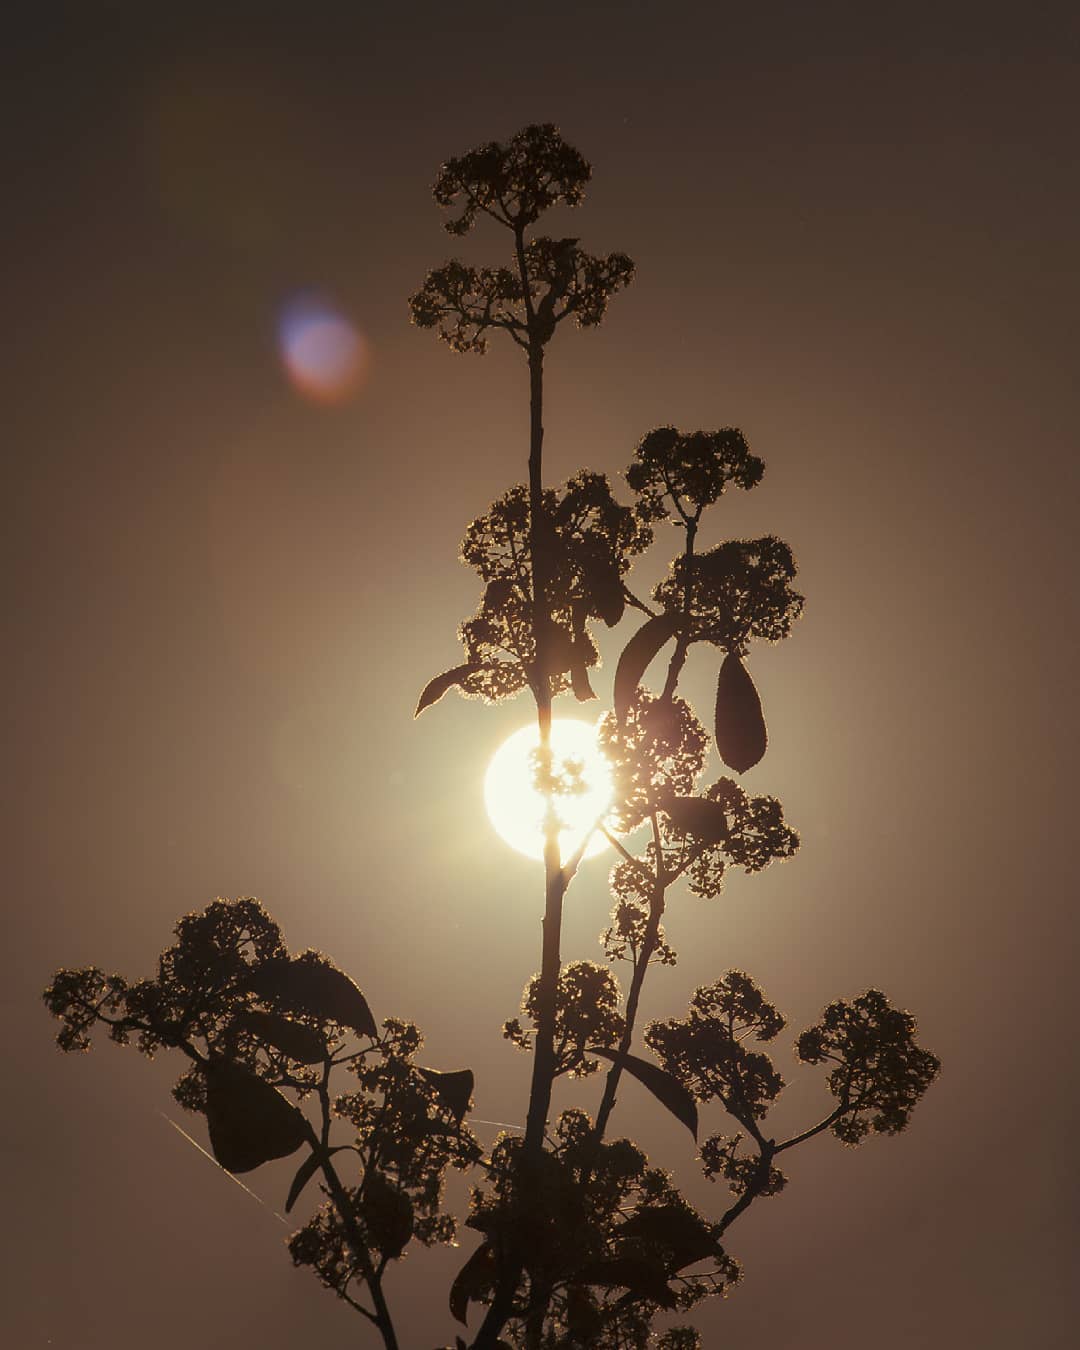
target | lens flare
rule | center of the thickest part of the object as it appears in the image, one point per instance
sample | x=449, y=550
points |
x=325, y=356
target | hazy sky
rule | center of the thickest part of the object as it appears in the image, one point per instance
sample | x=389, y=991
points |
x=855, y=229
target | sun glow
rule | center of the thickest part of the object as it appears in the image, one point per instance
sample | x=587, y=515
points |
x=517, y=809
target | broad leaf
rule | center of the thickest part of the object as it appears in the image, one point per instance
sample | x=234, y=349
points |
x=641, y=1277
x=741, y=737
x=698, y=816
x=606, y=588
x=455, y=1088
x=684, y=1234
x=441, y=684
x=250, y=1121
x=387, y=1213
x=294, y=1039
x=311, y=984
x=306, y=1171
x=473, y=1279
x=579, y=680
x=667, y=1090
x=637, y=654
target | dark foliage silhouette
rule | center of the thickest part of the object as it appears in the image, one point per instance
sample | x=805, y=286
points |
x=579, y=1241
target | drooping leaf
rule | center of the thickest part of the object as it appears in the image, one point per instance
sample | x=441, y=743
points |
x=639, y=1276
x=698, y=816
x=677, y=1228
x=387, y=1213
x=606, y=588
x=637, y=654
x=455, y=1088
x=441, y=684
x=311, y=984
x=667, y=1090
x=250, y=1121
x=472, y=1280
x=306, y=1171
x=579, y=678
x=741, y=737
x=299, y=1042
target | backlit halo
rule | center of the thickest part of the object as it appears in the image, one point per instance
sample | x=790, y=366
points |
x=517, y=809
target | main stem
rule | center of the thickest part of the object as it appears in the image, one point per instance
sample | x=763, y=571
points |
x=555, y=881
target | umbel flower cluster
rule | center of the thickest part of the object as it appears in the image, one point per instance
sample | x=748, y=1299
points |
x=577, y=1240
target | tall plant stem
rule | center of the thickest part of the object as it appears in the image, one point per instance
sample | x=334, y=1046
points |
x=555, y=880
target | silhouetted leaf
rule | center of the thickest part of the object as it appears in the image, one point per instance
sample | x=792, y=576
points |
x=472, y=1280
x=677, y=1228
x=637, y=654
x=306, y=1171
x=698, y=816
x=606, y=588
x=454, y=1088
x=639, y=1276
x=441, y=684
x=579, y=679
x=387, y=1212
x=250, y=1121
x=310, y=984
x=294, y=1039
x=667, y=1090
x=741, y=737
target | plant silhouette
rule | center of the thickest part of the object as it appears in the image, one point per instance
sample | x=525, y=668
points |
x=581, y=1242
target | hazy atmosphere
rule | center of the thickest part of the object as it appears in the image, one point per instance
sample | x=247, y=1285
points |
x=855, y=235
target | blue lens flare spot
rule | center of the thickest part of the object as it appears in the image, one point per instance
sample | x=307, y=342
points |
x=325, y=356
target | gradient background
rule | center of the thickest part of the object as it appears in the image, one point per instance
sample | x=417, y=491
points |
x=855, y=228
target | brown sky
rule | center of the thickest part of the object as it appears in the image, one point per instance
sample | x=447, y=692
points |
x=855, y=228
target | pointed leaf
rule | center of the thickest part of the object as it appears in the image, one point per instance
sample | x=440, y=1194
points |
x=667, y=1090
x=606, y=588
x=455, y=1088
x=299, y=1042
x=311, y=984
x=641, y=1277
x=637, y=654
x=387, y=1213
x=306, y=1171
x=473, y=1279
x=741, y=737
x=698, y=816
x=441, y=684
x=686, y=1236
x=579, y=679
x=250, y=1121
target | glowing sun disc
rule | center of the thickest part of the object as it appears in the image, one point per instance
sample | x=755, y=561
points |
x=517, y=810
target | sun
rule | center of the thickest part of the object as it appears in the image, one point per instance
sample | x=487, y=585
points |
x=517, y=809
